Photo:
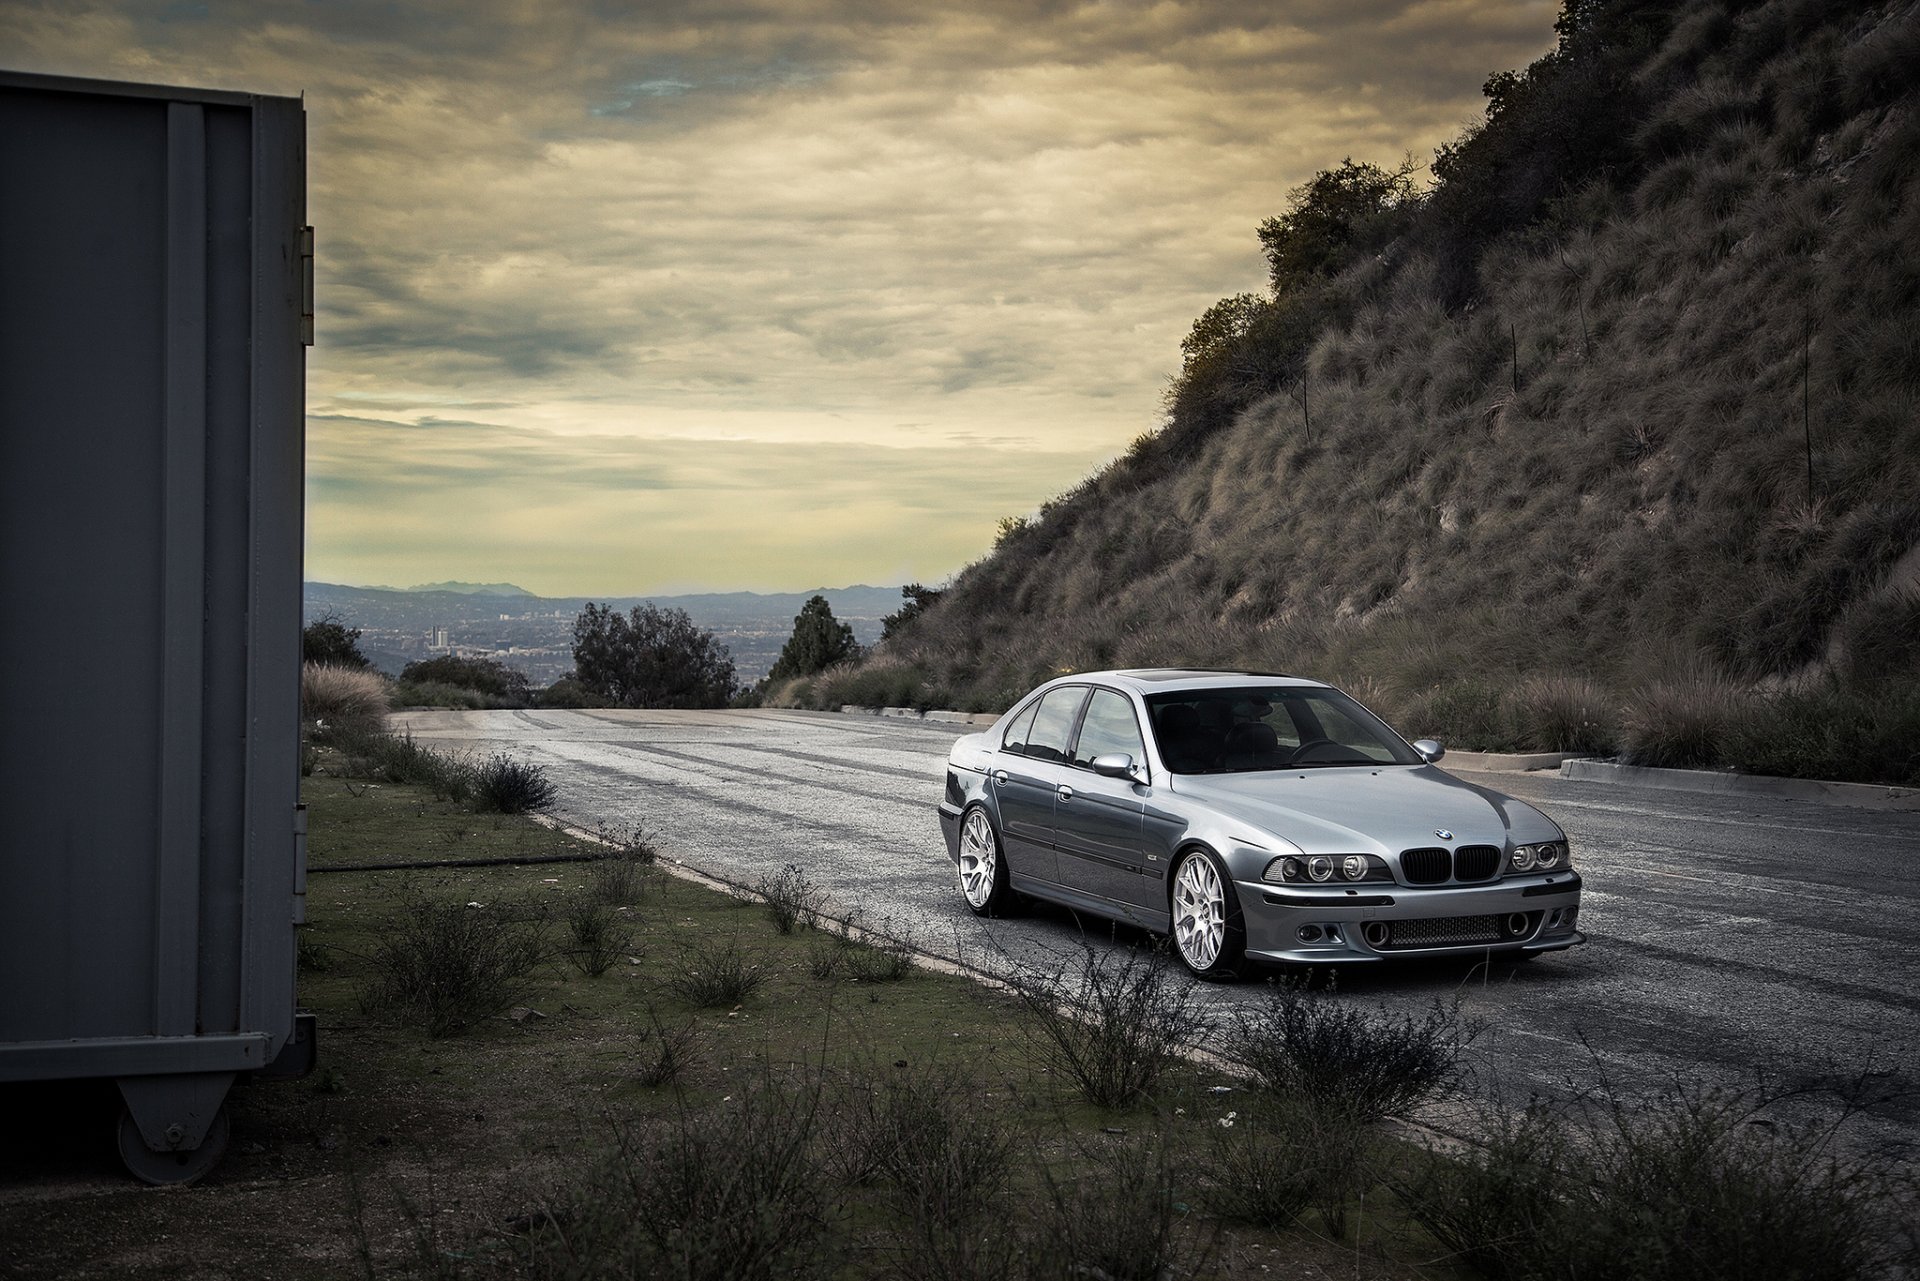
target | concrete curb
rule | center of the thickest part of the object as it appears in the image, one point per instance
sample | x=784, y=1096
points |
x=915, y=714
x=1875, y=796
x=1504, y=762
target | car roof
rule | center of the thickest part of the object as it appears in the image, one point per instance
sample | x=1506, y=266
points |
x=1153, y=680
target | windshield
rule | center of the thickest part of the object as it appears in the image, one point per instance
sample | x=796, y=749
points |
x=1228, y=731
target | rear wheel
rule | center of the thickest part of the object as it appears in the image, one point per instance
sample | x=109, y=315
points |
x=1208, y=935
x=983, y=868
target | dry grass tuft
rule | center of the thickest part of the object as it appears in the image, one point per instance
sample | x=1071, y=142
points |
x=331, y=692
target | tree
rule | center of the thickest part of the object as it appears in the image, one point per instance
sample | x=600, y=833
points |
x=1334, y=218
x=915, y=601
x=650, y=657
x=819, y=641
x=328, y=640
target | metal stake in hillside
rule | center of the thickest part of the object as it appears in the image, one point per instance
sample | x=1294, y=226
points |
x=1806, y=400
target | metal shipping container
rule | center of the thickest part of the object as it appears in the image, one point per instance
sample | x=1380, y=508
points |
x=155, y=299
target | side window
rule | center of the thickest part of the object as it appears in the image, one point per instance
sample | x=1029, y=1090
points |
x=1109, y=727
x=1016, y=739
x=1053, y=722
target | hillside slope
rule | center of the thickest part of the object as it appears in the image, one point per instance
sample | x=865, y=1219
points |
x=1613, y=439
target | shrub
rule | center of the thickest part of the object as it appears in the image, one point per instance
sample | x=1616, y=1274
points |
x=397, y=758
x=1683, y=1185
x=1485, y=1203
x=792, y=899
x=488, y=676
x=1350, y=1062
x=925, y=1132
x=1118, y=1221
x=631, y=845
x=437, y=694
x=873, y=957
x=511, y=787
x=565, y=692
x=1563, y=714
x=331, y=692
x=1679, y=724
x=1869, y=735
x=617, y=881
x=597, y=937
x=1880, y=638
x=717, y=974
x=449, y=965
x=1286, y=1155
x=718, y=1195
x=673, y=1051
x=1115, y=1026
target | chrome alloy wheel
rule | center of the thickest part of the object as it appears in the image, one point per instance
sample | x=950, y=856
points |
x=979, y=859
x=1199, y=911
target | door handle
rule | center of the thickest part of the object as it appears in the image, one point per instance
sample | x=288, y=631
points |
x=1066, y=793
x=1000, y=776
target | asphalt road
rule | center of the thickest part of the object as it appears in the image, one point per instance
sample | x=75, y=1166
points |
x=1728, y=937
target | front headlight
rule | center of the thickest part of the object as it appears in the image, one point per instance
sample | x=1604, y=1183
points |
x=1322, y=869
x=1547, y=856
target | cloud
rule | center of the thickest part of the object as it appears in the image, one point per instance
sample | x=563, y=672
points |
x=757, y=219
x=616, y=514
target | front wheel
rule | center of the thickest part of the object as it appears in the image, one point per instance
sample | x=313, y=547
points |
x=983, y=868
x=1208, y=934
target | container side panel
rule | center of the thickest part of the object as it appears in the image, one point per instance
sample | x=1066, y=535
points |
x=83, y=212
x=278, y=464
x=177, y=919
x=229, y=479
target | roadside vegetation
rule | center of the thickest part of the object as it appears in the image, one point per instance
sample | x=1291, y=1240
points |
x=543, y=1056
x=1603, y=440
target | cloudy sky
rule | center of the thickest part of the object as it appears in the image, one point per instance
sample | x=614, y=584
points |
x=770, y=294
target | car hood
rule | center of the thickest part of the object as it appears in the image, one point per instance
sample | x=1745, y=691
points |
x=1361, y=810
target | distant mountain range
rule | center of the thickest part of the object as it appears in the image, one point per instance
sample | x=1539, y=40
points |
x=458, y=589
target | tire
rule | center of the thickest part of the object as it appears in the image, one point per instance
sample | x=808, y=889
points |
x=983, y=865
x=1209, y=936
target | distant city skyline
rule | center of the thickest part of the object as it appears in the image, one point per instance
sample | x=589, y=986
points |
x=693, y=298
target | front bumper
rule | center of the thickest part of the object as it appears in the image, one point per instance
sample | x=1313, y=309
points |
x=950, y=828
x=1339, y=925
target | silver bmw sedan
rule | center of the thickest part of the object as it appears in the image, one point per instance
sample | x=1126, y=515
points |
x=1253, y=817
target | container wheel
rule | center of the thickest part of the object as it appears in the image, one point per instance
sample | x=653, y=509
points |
x=172, y=1168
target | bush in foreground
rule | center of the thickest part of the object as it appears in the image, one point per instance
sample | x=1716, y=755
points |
x=1695, y=1184
x=1116, y=1025
x=507, y=786
x=729, y=1192
x=1349, y=1062
x=451, y=965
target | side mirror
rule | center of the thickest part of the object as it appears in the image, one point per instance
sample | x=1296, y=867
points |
x=1114, y=765
x=1429, y=749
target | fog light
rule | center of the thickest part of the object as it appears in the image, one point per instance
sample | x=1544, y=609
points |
x=1517, y=924
x=1309, y=933
x=1375, y=933
x=1320, y=867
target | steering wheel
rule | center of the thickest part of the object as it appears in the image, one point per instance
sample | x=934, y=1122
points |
x=1300, y=753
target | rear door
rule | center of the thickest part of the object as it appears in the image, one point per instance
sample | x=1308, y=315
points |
x=1027, y=774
